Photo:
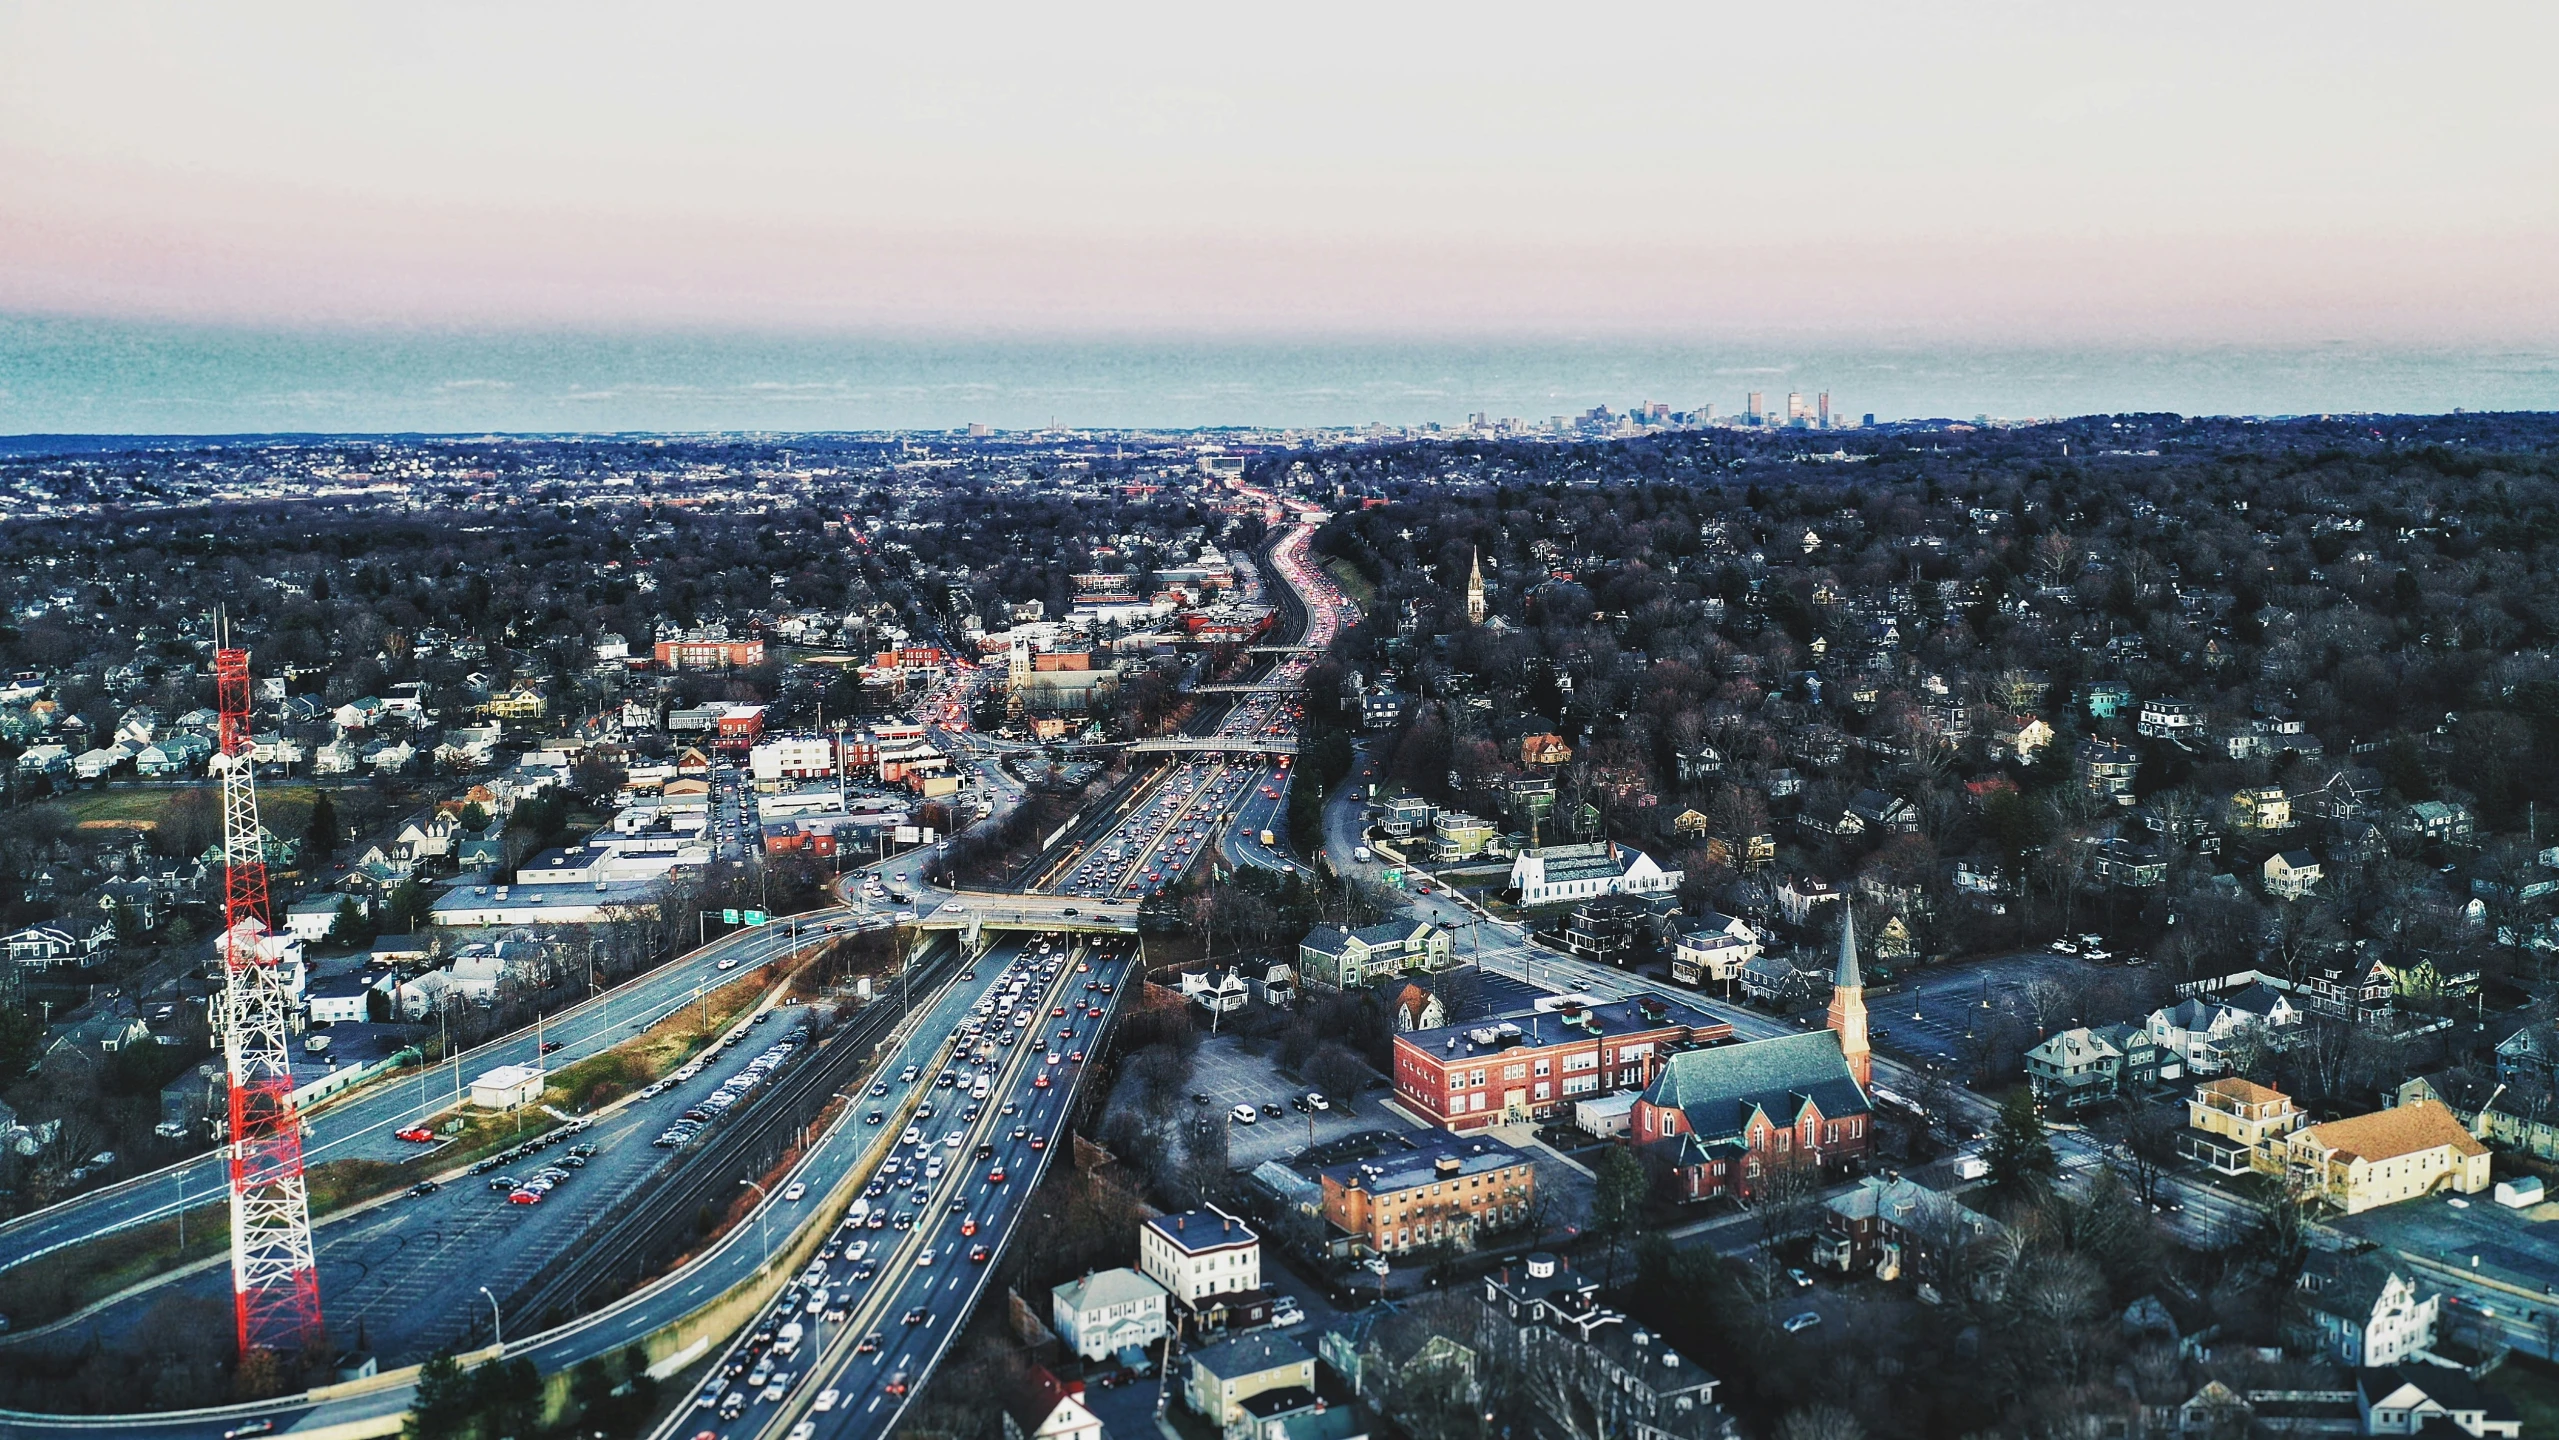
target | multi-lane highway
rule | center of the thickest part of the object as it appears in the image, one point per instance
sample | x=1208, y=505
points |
x=361, y=1124
x=884, y=1300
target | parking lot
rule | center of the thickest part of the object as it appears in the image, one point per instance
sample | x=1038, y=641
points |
x=1229, y=1076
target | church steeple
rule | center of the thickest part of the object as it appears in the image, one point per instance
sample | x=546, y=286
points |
x=1475, y=589
x=1848, y=1001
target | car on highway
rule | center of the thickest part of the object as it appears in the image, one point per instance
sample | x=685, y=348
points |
x=728, y=964
x=796, y=1190
x=247, y=1428
x=917, y=1316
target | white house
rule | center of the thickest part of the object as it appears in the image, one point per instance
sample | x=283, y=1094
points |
x=1200, y=1252
x=310, y=919
x=2366, y=1311
x=1549, y=874
x=59, y=942
x=1107, y=1311
x=2432, y=1399
x=339, y=1002
x=1713, y=950
x=2196, y=1034
x=2291, y=874
x=1044, y=1407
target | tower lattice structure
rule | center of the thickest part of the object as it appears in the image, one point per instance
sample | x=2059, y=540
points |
x=275, y=1283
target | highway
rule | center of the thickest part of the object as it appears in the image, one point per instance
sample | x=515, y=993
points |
x=360, y=1124
x=889, y=1294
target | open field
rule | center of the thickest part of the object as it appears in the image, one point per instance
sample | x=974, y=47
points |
x=286, y=809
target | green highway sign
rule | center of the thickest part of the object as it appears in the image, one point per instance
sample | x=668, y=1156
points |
x=753, y=917
x=728, y=917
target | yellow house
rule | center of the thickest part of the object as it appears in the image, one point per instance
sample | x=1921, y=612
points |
x=1225, y=1375
x=1692, y=822
x=521, y=703
x=2235, y=1126
x=2385, y=1157
x=2260, y=807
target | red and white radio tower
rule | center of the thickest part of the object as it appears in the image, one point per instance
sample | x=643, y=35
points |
x=275, y=1284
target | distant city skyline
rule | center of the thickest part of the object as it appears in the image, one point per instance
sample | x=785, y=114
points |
x=2179, y=175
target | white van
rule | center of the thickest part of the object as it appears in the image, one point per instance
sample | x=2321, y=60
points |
x=786, y=1342
x=981, y=1091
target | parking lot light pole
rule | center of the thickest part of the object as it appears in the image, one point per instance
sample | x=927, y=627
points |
x=497, y=1321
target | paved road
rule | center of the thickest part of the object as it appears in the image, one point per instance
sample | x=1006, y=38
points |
x=894, y=1305
x=361, y=1124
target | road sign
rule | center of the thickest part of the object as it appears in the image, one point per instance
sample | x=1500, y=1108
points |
x=753, y=917
x=728, y=917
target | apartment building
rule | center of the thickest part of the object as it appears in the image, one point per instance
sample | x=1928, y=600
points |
x=1536, y=1064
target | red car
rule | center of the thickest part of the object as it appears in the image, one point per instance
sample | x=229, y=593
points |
x=416, y=1135
x=1040, y=1081
x=524, y=1197
x=995, y=1176
x=1037, y=1143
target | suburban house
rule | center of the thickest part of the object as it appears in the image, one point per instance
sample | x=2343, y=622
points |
x=1043, y=1407
x=1799, y=895
x=2388, y=1156
x=2196, y=1035
x=1545, y=875
x=2291, y=874
x=1721, y=1118
x=59, y=942
x=1713, y=950
x=1446, y=1191
x=2364, y=1311
x=1418, y=1009
x=2415, y=1399
x=1200, y=1253
x=2091, y=1064
x=1107, y=1312
x=2494, y=1110
x=2237, y=1126
x=1332, y=958
x=1225, y=1375
x=1895, y=1227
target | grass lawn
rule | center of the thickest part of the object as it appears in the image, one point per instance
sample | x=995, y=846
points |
x=1354, y=584
x=2534, y=1387
x=286, y=809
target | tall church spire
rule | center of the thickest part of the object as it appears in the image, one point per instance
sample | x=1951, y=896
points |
x=1475, y=589
x=1848, y=1002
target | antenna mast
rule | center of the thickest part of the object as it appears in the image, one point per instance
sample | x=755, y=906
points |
x=274, y=1280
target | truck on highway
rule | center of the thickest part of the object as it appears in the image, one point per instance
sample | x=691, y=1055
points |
x=1267, y=838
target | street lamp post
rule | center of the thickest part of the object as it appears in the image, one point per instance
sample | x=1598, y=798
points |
x=497, y=1321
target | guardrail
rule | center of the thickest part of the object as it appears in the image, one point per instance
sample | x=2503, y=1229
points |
x=802, y=1241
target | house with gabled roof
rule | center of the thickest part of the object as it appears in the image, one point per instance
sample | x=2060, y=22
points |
x=2367, y=1161
x=1333, y=958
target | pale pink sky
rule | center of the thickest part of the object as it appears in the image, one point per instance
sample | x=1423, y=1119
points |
x=2190, y=172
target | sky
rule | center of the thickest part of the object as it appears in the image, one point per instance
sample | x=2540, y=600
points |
x=2247, y=173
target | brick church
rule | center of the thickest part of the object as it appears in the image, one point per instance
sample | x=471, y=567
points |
x=1725, y=1117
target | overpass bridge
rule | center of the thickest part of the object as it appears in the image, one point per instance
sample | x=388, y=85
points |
x=1284, y=649
x=973, y=913
x=1258, y=687
x=1213, y=744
